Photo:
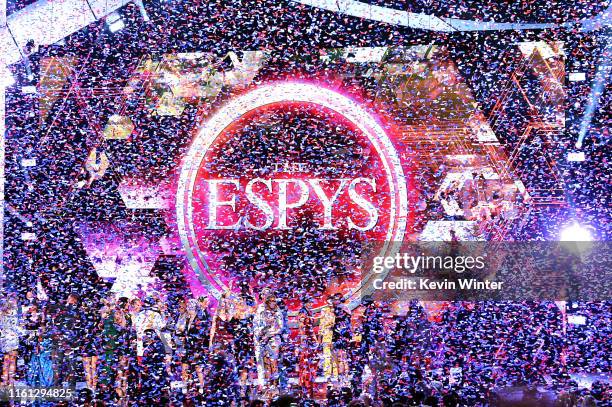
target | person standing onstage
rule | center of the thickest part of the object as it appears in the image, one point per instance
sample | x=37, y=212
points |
x=194, y=331
x=341, y=338
x=268, y=324
x=10, y=332
x=90, y=338
x=126, y=351
x=148, y=317
x=179, y=332
x=68, y=323
x=109, y=344
x=33, y=319
x=284, y=344
x=40, y=369
x=242, y=329
x=371, y=327
x=221, y=335
x=326, y=333
x=152, y=316
x=202, y=340
x=132, y=309
x=154, y=380
x=307, y=351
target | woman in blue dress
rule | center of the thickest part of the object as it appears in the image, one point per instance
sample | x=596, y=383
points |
x=40, y=371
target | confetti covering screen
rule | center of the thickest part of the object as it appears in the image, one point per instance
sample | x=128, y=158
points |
x=209, y=203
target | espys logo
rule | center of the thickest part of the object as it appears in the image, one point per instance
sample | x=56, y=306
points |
x=282, y=207
x=284, y=159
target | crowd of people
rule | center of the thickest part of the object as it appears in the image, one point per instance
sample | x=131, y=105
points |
x=251, y=349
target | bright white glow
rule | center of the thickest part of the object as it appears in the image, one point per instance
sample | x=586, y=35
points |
x=576, y=233
x=6, y=79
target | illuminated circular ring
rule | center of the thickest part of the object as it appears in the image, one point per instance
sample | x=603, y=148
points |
x=275, y=93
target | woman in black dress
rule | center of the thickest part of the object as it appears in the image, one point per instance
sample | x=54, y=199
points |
x=242, y=329
x=154, y=378
x=196, y=338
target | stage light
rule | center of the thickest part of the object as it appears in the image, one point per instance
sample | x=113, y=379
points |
x=576, y=233
x=116, y=26
x=576, y=319
x=114, y=22
x=598, y=87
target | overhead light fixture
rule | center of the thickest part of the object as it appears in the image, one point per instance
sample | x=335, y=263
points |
x=114, y=22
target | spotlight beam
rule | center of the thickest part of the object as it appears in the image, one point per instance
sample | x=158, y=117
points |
x=599, y=82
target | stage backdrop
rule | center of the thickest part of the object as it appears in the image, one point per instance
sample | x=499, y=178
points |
x=212, y=172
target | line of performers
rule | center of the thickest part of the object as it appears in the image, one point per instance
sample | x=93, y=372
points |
x=257, y=335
